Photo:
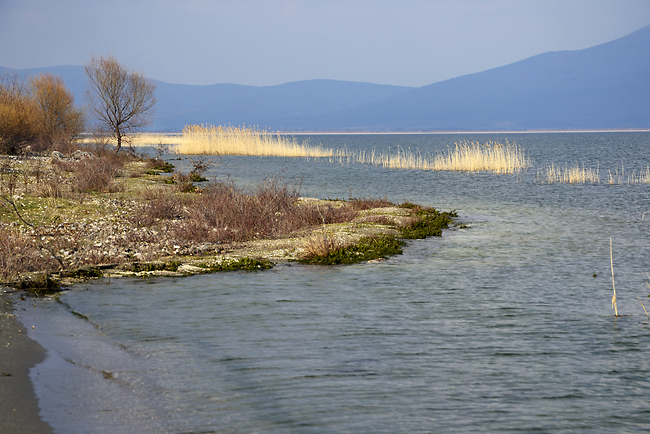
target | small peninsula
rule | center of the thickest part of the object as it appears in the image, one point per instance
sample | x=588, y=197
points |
x=93, y=212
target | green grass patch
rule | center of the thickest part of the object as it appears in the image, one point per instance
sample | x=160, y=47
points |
x=429, y=222
x=164, y=167
x=245, y=264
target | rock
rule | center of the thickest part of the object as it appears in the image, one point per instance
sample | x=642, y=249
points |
x=56, y=155
x=81, y=155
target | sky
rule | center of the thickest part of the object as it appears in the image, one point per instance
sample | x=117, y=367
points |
x=269, y=42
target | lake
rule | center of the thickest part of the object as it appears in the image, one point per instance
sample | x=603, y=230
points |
x=503, y=326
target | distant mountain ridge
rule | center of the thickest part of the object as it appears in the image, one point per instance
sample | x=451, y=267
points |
x=605, y=86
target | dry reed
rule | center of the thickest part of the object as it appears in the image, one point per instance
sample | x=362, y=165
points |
x=321, y=244
x=611, y=260
x=640, y=178
x=569, y=175
x=229, y=140
x=644, y=309
x=464, y=157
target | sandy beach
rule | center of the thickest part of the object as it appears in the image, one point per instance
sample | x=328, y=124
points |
x=19, y=410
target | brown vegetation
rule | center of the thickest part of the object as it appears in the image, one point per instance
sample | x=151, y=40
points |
x=40, y=114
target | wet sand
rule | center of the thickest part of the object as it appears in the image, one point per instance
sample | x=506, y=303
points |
x=19, y=411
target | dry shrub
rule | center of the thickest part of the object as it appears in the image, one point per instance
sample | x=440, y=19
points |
x=93, y=174
x=327, y=214
x=19, y=253
x=223, y=212
x=379, y=220
x=166, y=207
x=51, y=187
x=160, y=205
x=362, y=204
x=320, y=244
x=184, y=182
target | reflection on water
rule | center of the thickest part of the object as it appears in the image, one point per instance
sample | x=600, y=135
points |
x=502, y=326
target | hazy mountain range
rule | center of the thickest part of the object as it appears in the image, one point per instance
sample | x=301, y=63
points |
x=602, y=87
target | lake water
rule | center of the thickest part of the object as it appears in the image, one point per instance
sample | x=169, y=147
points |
x=505, y=326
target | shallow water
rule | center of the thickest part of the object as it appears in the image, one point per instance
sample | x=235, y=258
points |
x=504, y=326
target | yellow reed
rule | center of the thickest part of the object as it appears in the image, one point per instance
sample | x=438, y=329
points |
x=229, y=140
x=465, y=157
x=568, y=175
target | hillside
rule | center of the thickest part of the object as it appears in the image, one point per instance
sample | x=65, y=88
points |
x=605, y=86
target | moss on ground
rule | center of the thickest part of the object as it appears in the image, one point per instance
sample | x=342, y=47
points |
x=428, y=222
x=246, y=264
x=137, y=267
x=38, y=283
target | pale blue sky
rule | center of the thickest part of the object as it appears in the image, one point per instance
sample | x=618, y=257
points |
x=266, y=42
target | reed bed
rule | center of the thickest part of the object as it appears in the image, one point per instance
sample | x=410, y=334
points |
x=618, y=177
x=568, y=175
x=229, y=140
x=464, y=157
x=581, y=175
x=642, y=177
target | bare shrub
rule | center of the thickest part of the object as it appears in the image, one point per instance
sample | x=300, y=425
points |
x=362, y=204
x=327, y=214
x=93, y=174
x=160, y=205
x=184, y=182
x=19, y=253
x=9, y=178
x=223, y=212
x=51, y=186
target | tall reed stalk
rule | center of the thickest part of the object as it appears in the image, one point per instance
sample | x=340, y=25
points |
x=569, y=175
x=611, y=260
x=644, y=309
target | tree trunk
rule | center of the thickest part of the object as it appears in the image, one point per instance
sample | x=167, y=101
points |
x=119, y=142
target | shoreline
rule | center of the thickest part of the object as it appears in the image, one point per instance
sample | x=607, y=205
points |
x=453, y=132
x=19, y=408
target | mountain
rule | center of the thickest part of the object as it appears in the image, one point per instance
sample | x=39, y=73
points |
x=282, y=107
x=606, y=86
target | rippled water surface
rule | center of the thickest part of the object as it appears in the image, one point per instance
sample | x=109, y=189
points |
x=503, y=326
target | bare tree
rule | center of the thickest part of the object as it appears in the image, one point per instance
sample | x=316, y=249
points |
x=59, y=120
x=122, y=101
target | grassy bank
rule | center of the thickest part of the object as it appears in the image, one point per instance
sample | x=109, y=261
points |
x=83, y=216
